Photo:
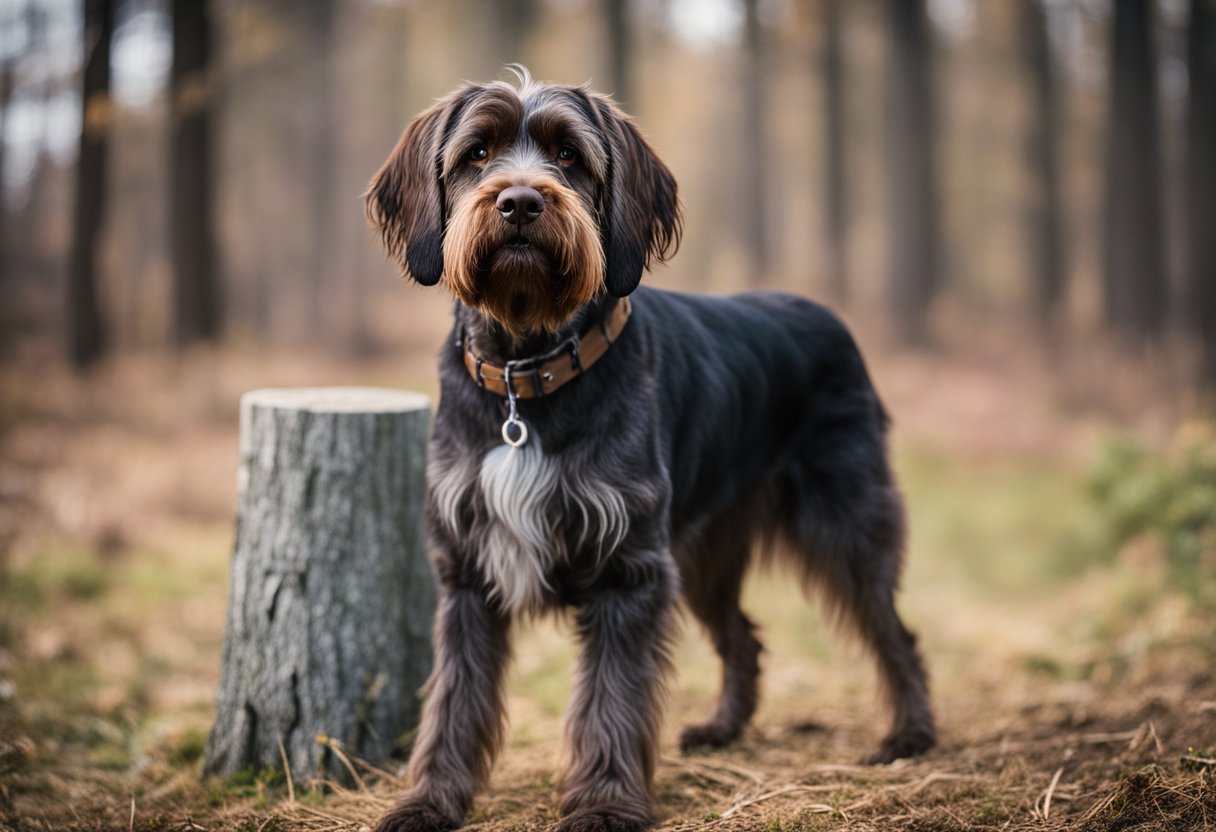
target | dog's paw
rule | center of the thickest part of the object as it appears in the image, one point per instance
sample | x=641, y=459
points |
x=600, y=822
x=897, y=746
x=707, y=735
x=414, y=817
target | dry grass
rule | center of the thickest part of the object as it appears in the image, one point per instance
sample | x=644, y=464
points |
x=1072, y=687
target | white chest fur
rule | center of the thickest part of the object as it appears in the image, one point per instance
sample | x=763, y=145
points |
x=536, y=509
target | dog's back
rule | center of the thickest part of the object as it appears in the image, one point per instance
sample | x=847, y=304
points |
x=752, y=387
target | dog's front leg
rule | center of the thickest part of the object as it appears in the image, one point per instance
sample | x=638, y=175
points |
x=613, y=723
x=463, y=716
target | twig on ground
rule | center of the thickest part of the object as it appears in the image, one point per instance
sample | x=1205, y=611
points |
x=719, y=765
x=818, y=808
x=384, y=773
x=915, y=787
x=131, y=822
x=1099, y=807
x=336, y=747
x=706, y=772
x=1102, y=739
x=937, y=776
x=1199, y=761
x=1051, y=790
x=317, y=813
x=1156, y=739
x=291, y=788
x=836, y=768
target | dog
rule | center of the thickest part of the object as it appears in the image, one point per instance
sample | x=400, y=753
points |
x=608, y=449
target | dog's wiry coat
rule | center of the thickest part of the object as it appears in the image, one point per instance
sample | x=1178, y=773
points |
x=712, y=429
x=529, y=501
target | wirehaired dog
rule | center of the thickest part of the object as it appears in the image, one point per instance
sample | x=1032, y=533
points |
x=606, y=449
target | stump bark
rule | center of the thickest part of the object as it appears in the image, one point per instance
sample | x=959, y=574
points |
x=331, y=599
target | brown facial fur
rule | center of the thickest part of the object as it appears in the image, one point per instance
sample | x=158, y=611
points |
x=525, y=289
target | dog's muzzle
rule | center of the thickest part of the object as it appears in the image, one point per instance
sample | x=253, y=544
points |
x=520, y=205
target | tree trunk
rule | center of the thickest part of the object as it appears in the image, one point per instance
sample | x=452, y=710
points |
x=86, y=334
x=1045, y=220
x=913, y=247
x=321, y=18
x=1135, y=280
x=197, y=305
x=620, y=49
x=513, y=23
x=331, y=595
x=835, y=194
x=1201, y=182
x=6, y=91
x=753, y=191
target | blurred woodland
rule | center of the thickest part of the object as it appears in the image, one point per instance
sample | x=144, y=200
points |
x=1012, y=202
x=185, y=171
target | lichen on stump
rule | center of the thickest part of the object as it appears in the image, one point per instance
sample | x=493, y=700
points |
x=331, y=599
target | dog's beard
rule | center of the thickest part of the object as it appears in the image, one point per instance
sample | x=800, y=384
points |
x=517, y=284
x=528, y=279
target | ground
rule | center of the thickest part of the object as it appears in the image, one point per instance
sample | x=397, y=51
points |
x=1073, y=682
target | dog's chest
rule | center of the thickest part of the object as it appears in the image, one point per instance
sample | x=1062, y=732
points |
x=523, y=513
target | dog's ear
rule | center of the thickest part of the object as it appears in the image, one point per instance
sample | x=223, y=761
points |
x=641, y=206
x=405, y=199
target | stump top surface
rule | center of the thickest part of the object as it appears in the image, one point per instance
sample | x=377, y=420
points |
x=337, y=399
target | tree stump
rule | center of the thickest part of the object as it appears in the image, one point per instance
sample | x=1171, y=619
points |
x=329, y=613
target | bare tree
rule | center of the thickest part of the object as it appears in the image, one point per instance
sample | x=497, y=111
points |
x=197, y=306
x=6, y=93
x=514, y=20
x=620, y=49
x=1135, y=284
x=321, y=20
x=835, y=193
x=753, y=169
x=1046, y=218
x=913, y=245
x=86, y=334
x=1201, y=181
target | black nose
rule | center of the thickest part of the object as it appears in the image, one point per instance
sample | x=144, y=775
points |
x=520, y=205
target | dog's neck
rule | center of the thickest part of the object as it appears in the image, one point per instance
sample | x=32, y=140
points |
x=492, y=342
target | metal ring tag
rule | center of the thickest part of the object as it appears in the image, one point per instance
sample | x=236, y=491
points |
x=512, y=414
x=520, y=440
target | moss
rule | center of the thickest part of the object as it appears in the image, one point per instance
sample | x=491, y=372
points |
x=1197, y=759
x=1168, y=497
x=247, y=783
x=111, y=757
x=188, y=748
x=55, y=570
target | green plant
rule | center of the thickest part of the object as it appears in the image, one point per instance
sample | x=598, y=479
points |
x=1169, y=495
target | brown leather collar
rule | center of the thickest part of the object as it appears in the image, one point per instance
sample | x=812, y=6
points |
x=532, y=378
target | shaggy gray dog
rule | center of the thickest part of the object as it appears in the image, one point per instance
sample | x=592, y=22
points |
x=606, y=449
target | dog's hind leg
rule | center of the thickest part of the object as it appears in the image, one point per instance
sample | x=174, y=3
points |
x=713, y=577
x=871, y=608
x=849, y=536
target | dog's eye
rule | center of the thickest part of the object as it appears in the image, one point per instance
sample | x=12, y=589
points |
x=567, y=155
x=479, y=153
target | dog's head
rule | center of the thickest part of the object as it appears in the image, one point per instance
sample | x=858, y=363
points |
x=530, y=201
